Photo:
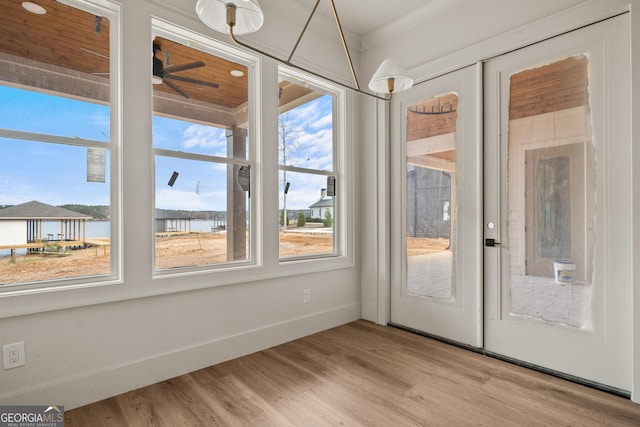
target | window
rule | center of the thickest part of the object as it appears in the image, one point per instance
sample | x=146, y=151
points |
x=59, y=155
x=203, y=155
x=308, y=185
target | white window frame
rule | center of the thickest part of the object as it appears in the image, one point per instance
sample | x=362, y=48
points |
x=169, y=31
x=112, y=12
x=342, y=254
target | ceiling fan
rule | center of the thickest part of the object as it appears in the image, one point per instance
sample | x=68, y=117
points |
x=162, y=74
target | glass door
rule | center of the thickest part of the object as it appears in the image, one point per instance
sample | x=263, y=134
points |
x=557, y=212
x=436, y=257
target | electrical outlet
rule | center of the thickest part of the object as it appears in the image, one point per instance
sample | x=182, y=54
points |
x=13, y=355
x=306, y=296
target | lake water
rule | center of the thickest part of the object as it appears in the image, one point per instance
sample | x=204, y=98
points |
x=96, y=229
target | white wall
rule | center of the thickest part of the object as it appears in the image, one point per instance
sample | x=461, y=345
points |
x=635, y=185
x=92, y=342
x=81, y=355
x=13, y=232
x=455, y=29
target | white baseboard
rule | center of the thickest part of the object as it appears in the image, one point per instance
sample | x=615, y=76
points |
x=100, y=384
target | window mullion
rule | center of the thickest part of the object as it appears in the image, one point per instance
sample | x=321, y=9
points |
x=201, y=157
x=54, y=139
x=306, y=170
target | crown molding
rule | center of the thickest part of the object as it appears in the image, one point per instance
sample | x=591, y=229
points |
x=431, y=10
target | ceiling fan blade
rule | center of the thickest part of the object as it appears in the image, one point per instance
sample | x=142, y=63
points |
x=190, y=80
x=176, y=88
x=183, y=67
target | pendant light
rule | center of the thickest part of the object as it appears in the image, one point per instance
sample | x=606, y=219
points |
x=390, y=77
x=238, y=17
x=244, y=16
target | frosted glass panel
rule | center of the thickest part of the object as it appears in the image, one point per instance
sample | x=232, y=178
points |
x=551, y=192
x=430, y=199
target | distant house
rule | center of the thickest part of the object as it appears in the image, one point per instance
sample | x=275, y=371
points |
x=320, y=208
x=172, y=222
x=22, y=224
x=429, y=214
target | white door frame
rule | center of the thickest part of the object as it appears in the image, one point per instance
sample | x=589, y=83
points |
x=599, y=351
x=580, y=15
x=458, y=318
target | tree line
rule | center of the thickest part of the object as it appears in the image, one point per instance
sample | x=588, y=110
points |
x=103, y=212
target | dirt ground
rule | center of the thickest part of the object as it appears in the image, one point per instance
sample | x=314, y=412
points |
x=425, y=245
x=188, y=250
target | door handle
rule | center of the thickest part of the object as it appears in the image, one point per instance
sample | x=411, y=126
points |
x=491, y=242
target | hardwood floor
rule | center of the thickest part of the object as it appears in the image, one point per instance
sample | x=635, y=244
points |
x=362, y=374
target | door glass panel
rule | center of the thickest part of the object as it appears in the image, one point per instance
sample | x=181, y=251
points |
x=431, y=202
x=551, y=192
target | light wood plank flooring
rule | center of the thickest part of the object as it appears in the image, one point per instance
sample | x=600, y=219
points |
x=362, y=374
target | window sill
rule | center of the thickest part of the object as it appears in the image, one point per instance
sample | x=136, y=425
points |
x=43, y=299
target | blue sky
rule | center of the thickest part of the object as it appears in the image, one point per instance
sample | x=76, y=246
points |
x=310, y=147
x=50, y=173
x=56, y=174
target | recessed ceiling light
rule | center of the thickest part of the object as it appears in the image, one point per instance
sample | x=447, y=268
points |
x=34, y=8
x=237, y=73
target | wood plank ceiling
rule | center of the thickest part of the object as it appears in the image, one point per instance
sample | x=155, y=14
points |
x=76, y=43
x=431, y=130
x=557, y=86
x=76, y=40
x=64, y=36
x=432, y=117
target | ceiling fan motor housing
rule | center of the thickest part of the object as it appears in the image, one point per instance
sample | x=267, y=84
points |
x=157, y=63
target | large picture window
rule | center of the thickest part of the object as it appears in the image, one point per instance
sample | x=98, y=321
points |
x=308, y=181
x=59, y=154
x=203, y=157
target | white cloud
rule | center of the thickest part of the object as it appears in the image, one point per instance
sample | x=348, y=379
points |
x=316, y=114
x=102, y=121
x=314, y=150
x=204, y=136
x=300, y=199
x=190, y=200
x=15, y=192
x=325, y=121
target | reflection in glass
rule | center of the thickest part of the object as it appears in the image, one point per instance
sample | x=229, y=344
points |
x=551, y=192
x=553, y=209
x=431, y=196
x=307, y=206
x=198, y=235
x=309, y=218
x=203, y=158
x=57, y=212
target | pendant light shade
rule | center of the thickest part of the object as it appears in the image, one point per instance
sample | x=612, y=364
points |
x=238, y=17
x=244, y=15
x=390, y=77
